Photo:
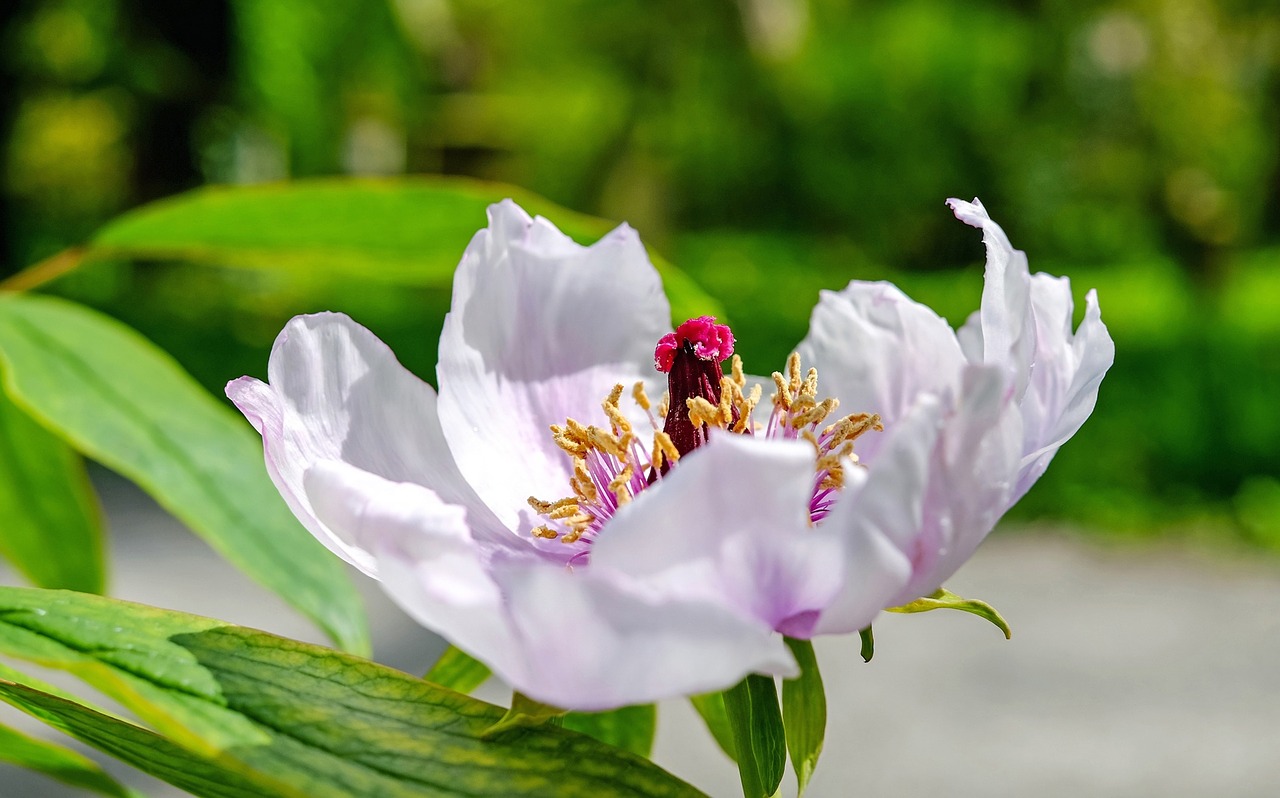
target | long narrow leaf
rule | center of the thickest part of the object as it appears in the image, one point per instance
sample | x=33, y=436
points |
x=804, y=712
x=117, y=398
x=292, y=719
x=52, y=529
x=758, y=735
x=458, y=670
x=59, y=763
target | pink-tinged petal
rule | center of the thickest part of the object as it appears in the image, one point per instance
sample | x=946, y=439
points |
x=730, y=524
x=1008, y=330
x=336, y=392
x=428, y=560
x=879, y=517
x=1068, y=370
x=972, y=472
x=540, y=329
x=877, y=351
x=594, y=641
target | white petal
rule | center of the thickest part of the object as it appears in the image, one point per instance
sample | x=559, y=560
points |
x=540, y=329
x=428, y=561
x=1008, y=331
x=972, y=472
x=879, y=517
x=1065, y=377
x=730, y=523
x=877, y=351
x=337, y=392
x=592, y=641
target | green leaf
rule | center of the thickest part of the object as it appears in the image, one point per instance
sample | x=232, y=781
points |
x=286, y=718
x=458, y=670
x=526, y=713
x=758, y=734
x=629, y=728
x=117, y=398
x=134, y=745
x=944, y=599
x=52, y=530
x=59, y=763
x=408, y=231
x=804, y=712
x=711, y=707
x=868, y=644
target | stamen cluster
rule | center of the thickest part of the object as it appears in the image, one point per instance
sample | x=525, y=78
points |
x=611, y=466
x=797, y=413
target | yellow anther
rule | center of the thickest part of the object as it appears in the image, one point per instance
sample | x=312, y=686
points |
x=782, y=397
x=793, y=372
x=619, y=486
x=664, y=405
x=642, y=398
x=810, y=387
x=614, y=396
x=728, y=389
x=545, y=532
x=738, y=375
x=703, y=412
x=605, y=442
x=662, y=442
x=563, y=513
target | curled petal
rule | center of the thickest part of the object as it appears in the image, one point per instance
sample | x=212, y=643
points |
x=1008, y=331
x=1068, y=370
x=878, y=351
x=336, y=392
x=539, y=329
x=972, y=472
x=879, y=518
x=730, y=524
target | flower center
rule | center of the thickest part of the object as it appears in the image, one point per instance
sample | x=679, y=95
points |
x=612, y=465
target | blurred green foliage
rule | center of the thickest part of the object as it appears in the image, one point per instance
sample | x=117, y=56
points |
x=770, y=148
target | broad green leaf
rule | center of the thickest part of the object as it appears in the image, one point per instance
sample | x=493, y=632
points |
x=52, y=530
x=758, y=734
x=944, y=599
x=57, y=762
x=711, y=707
x=117, y=398
x=404, y=230
x=458, y=670
x=804, y=712
x=293, y=719
x=629, y=728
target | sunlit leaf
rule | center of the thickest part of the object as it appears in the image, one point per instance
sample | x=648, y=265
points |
x=284, y=718
x=409, y=231
x=458, y=670
x=52, y=530
x=758, y=734
x=115, y=397
x=944, y=599
x=629, y=728
x=804, y=712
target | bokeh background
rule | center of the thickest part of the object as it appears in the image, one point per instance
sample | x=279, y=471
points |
x=769, y=148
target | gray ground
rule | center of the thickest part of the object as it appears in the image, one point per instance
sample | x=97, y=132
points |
x=1132, y=672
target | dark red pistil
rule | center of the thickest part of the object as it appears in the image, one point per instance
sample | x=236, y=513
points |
x=691, y=358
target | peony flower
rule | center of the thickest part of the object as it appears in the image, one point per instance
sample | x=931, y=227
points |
x=597, y=549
